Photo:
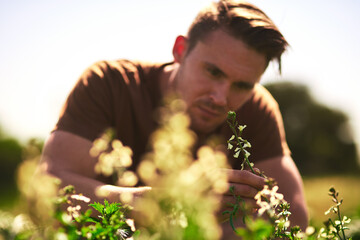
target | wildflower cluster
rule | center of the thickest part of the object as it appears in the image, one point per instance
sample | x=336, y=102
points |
x=277, y=210
x=113, y=159
x=109, y=222
x=273, y=206
x=240, y=143
x=273, y=199
x=335, y=229
x=182, y=204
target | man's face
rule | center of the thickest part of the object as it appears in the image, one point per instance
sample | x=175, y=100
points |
x=218, y=75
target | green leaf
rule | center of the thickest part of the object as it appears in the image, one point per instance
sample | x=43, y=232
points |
x=226, y=212
x=92, y=219
x=112, y=208
x=98, y=207
x=256, y=229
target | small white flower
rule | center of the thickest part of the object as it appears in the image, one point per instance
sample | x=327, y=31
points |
x=310, y=230
x=80, y=198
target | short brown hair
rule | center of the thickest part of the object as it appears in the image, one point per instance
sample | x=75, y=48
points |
x=243, y=21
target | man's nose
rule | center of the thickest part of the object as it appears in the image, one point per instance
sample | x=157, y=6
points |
x=220, y=93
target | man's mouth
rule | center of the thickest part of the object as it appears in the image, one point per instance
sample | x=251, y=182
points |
x=210, y=110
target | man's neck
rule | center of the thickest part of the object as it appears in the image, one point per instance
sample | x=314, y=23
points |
x=167, y=78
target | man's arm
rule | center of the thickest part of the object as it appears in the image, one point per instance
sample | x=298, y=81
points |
x=66, y=156
x=286, y=174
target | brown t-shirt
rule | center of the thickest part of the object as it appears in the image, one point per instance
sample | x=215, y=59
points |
x=123, y=95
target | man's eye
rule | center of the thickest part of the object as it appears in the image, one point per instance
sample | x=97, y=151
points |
x=214, y=72
x=242, y=86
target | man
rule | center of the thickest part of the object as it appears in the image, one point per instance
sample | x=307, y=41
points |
x=217, y=67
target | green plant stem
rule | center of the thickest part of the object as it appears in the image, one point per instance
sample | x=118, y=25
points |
x=241, y=148
x=342, y=226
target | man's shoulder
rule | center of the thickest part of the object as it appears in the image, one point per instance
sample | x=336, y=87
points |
x=124, y=66
x=116, y=74
x=261, y=91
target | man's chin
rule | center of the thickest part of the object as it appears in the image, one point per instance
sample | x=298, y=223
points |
x=203, y=128
x=205, y=125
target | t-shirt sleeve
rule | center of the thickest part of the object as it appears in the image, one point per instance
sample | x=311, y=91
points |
x=87, y=110
x=264, y=127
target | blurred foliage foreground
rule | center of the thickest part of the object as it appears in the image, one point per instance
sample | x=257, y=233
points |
x=183, y=206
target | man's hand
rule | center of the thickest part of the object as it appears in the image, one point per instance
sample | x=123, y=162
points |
x=244, y=184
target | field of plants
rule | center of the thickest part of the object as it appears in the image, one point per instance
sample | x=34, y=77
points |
x=316, y=189
x=184, y=207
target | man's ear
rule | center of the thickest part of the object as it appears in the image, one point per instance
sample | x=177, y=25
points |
x=179, y=49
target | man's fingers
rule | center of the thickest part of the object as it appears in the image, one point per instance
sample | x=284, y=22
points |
x=258, y=172
x=242, y=190
x=245, y=177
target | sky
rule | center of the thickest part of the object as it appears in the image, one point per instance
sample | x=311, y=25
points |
x=46, y=45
